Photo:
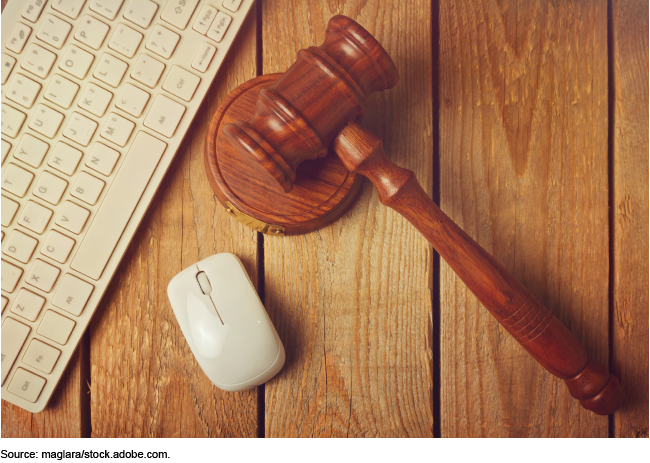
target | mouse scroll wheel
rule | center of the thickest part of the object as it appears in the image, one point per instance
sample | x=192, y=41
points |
x=204, y=283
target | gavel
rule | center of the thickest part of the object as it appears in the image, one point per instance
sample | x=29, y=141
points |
x=314, y=105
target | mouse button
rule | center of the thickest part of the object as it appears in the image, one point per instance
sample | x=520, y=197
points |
x=204, y=283
x=207, y=332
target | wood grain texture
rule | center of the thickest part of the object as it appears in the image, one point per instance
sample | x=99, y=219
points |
x=145, y=381
x=351, y=302
x=523, y=166
x=630, y=204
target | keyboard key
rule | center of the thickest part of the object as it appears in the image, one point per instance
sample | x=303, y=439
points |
x=26, y=384
x=50, y=188
x=132, y=100
x=164, y=116
x=38, y=61
x=204, y=57
x=41, y=356
x=125, y=40
x=46, y=121
x=28, y=304
x=117, y=129
x=61, y=91
x=162, y=41
x=72, y=217
x=56, y=327
x=110, y=70
x=91, y=32
x=181, y=83
x=10, y=275
x=16, y=180
x=31, y=150
x=32, y=9
x=219, y=26
x=147, y=70
x=65, y=158
x=11, y=121
x=19, y=246
x=23, y=90
x=107, y=8
x=76, y=61
x=120, y=201
x=42, y=275
x=232, y=5
x=70, y=8
x=8, y=63
x=57, y=246
x=14, y=335
x=18, y=37
x=102, y=158
x=87, y=188
x=35, y=217
x=5, y=301
x=54, y=31
x=178, y=12
x=204, y=19
x=140, y=12
x=95, y=99
x=80, y=129
x=72, y=295
x=9, y=209
x=6, y=146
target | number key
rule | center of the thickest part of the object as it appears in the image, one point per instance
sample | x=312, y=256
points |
x=38, y=61
x=54, y=31
x=23, y=90
x=61, y=91
x=80, y=129
x=76, y=61
x=95, y=99
x=110, y=70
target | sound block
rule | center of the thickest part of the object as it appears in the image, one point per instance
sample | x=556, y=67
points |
x=324, y=189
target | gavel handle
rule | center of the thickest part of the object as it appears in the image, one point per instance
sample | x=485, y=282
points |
x=514, y=306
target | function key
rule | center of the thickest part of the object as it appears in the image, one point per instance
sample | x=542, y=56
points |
x=31, y=150
x=26, y=385
x=41, y=356
x=38, y=61
x=11, y=121
x=110, y=70
x=70, y=8
x=204, y=19
x=125, y=40
x=219, y=26
x=178, y=12
x=18, y=37
x=54, y=31
x=107, y=8
x=33, y=9
x=232, y=5
x=61, y=91
x=140, y=12
x=72, y=217
x=56, y=327
x=42, y=275
x=46, y=121
x=14, y=335
x=8, y=63
x=91, y=32
x=163, y=41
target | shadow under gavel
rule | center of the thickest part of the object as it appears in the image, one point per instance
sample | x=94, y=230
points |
x=314, y=104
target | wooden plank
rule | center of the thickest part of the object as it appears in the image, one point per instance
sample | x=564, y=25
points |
x=523, y=167
x=64, y=415
x=630, y=206
x=352, y=302
x=145, y=381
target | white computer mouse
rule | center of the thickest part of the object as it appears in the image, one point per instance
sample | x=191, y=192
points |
x=225, y=323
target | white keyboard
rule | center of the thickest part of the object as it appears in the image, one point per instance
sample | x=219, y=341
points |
x=97, y=96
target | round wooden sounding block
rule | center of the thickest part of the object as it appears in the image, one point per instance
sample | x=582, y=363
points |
x=324, y=189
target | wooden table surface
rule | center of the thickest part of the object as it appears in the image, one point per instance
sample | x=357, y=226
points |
x=527, y=121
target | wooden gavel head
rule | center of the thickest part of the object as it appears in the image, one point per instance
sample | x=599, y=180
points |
x=327, y=87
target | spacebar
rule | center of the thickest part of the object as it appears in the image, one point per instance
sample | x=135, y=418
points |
x=118, y=206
